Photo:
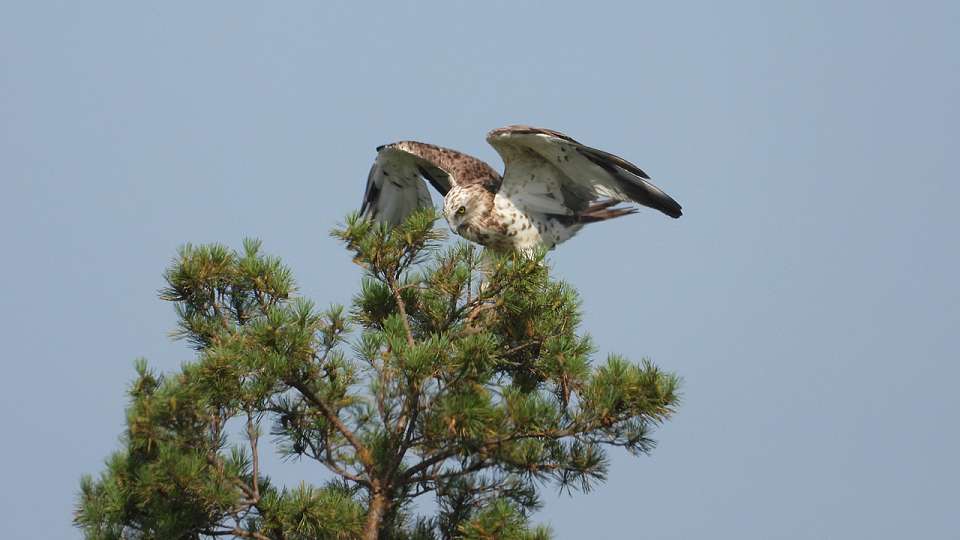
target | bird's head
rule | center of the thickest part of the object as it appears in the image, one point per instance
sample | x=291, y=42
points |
x=461, y=207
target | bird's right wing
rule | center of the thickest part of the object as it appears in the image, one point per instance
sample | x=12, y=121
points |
x=546, y=168
x=396, y=187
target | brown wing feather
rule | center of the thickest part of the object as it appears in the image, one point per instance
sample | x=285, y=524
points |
x=462, y=169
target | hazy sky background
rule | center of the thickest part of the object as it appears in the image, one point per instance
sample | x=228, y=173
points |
x=808, y=296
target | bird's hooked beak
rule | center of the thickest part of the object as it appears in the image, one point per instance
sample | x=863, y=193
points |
x=456, y=223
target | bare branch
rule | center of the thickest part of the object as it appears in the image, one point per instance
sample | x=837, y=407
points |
x=328, y=460
x=363, y=453
x=236, y=531
x=402, y=308
x=253, y=435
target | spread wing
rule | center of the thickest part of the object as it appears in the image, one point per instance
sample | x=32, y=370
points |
x=549, y=172
x=396, y=184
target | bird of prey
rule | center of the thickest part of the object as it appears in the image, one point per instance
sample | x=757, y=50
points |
x=551, y=187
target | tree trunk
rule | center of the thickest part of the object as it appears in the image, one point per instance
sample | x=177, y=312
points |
x=378, y=507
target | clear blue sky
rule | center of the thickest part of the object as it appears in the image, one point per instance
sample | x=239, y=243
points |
x=808, y=296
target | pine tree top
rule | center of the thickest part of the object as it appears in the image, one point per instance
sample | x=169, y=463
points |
x=455, y=374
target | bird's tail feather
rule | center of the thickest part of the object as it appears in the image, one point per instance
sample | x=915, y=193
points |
x=604, y=210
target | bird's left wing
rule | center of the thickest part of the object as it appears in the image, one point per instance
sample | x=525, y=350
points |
x=396, y=187
x=545, y=168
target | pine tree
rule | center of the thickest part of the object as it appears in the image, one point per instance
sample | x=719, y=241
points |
x=455, y=374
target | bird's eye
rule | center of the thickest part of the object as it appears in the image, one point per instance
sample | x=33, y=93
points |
x=462, y=210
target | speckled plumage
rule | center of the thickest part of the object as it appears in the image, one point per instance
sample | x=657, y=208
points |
x=552, y=186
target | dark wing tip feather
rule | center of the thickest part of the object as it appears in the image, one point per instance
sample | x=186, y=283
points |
x=674, y=210
x=661, y=201
x=640, y=189
x=605, y=158
x=651, y=196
